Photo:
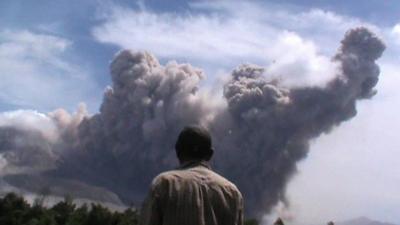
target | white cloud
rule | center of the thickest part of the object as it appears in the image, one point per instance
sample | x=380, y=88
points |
x=172, y=36
x=28, y=120
x=395, y=33
x=228, y=36
x=396, y=29
x=35, y=72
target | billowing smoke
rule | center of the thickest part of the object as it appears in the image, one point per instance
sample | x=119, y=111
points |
x=266, y=128
x=132, y=137
x=260, y=130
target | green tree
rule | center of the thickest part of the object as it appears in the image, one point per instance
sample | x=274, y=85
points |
x=63, y=210
x=99, y=215
x=251, y=222
x=13, y=209
x=79, y=216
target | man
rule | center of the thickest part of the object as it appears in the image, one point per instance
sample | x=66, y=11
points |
x=193, y=194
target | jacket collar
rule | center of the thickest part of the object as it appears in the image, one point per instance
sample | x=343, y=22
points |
x=194, y=163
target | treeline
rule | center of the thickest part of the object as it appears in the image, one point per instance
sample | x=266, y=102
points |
x=15, y=210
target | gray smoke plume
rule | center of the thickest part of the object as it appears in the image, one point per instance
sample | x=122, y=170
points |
x=260, y=132
x=132, y=137
x=267, y=128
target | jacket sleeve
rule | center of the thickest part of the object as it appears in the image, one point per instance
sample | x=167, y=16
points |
x=240, y=210
x=151, y=213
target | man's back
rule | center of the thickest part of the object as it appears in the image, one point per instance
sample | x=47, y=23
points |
x=193, y=195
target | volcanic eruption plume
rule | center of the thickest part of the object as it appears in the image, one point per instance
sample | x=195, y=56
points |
x=260, y=132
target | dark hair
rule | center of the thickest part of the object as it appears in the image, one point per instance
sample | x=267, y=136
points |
x=194, y=142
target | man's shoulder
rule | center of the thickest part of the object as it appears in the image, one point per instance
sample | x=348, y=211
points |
x=168, y=177
x=222, y=181
x=226, y=185
x=164, y=176
x=199, y=174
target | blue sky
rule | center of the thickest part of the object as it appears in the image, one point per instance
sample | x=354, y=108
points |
x=56, y=53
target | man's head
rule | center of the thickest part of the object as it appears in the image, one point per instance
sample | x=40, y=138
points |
x=194, y=143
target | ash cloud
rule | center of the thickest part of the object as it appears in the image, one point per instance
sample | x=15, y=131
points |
x=260, y=131
x=270, y=127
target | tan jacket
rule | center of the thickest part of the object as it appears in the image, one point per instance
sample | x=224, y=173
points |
x=192, y=195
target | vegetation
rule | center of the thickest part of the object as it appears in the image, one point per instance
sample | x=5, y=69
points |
x=15, y=210
x=251, y=222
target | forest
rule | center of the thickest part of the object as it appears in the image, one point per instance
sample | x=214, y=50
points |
x=15, y=210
